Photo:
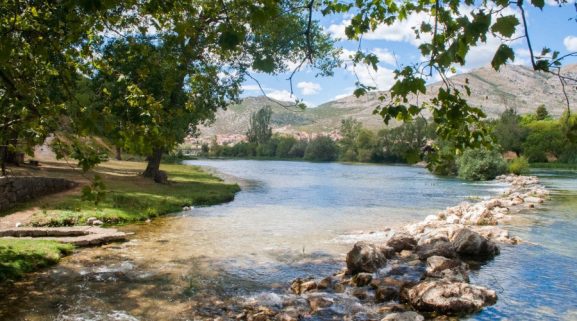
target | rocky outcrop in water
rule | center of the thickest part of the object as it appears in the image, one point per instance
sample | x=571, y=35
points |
x=367, y=257
x=422, y=269
x=446, y=297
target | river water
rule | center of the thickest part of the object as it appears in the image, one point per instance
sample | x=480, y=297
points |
x=295, y=219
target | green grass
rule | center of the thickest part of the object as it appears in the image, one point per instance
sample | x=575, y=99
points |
x=130, y=197
x=19, y=256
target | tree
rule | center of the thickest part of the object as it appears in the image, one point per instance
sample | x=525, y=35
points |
x=259, y=130
x=446, y=39
x=509, y=133
x=541, y=112
x=545, y=138
x=45, y=47
x=349, y=130
x=481, y=164
x=404, y=143
x=160, y=87
x=321, y=149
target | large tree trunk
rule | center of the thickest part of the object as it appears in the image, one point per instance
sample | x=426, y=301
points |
x=118, y=153
x=153, y=167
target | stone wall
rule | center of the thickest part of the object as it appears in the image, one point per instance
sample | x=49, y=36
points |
x=23, y=188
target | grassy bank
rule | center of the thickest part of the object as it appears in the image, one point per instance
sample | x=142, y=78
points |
x=21, y=256
x=130, y=197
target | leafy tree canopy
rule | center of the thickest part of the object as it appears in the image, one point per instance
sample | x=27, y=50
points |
x=160, y=68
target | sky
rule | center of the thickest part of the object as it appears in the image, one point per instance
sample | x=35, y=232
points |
x=396, y=46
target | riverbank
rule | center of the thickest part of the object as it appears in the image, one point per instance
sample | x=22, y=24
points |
x=128, y=198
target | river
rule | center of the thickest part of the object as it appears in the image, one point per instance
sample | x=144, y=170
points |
x=295, y=219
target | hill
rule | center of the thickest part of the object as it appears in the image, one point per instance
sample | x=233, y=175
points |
x=513, y=86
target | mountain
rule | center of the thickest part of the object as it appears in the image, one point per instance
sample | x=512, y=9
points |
x=513, y=86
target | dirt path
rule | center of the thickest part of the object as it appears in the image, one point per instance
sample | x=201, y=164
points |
x=18, y=218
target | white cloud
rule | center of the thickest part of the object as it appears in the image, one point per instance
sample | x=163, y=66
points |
x=282, y=95
x=570, y=43
x=402, y=31
x=382, y=78
x=482, y=54
x=309, y=88
x=399, y=31
x=337, y=97
x=385, y=56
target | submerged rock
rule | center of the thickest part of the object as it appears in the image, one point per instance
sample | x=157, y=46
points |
x=300, y=286
x=367, y=257
x=404, y=316
x=386, y=293
x=468, y=243
x=447, y=297
x=362, y=279
x=318, y=302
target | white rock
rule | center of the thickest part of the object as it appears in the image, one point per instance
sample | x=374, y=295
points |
x=532, y=199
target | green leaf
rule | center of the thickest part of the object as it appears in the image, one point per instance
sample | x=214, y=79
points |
x=503, y=54
x=538, y=3
x=505, y=26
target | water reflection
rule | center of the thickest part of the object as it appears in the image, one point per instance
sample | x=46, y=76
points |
x=292, y=219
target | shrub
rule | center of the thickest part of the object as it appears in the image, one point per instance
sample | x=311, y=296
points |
x=519, y=166
x=322, y=149
x=480, y=164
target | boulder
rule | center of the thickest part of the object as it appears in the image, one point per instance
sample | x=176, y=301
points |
x=362, y=279
x=318, y=302
x=472, y=245
x=442, y=268
x=300, y=286
x=326, y=283
x=402, y=241
x=441, y=248
x=404, y=316
x=447, y=297
x=386, y=293
x=367, y=257
x=360, y=293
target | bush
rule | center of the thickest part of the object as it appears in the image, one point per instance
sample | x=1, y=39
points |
x=481, y=164
x=519, y=166
x=321, y=149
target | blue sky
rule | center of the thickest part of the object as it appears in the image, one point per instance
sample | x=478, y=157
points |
x=397, y=46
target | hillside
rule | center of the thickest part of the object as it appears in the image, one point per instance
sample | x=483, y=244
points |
x=513, y=86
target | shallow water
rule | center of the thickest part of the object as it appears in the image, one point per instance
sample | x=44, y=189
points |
x=295, y=219
x=537, y=281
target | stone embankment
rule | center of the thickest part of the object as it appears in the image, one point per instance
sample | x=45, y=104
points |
x=421, y=271
x=16, y=189
x=76, y=235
